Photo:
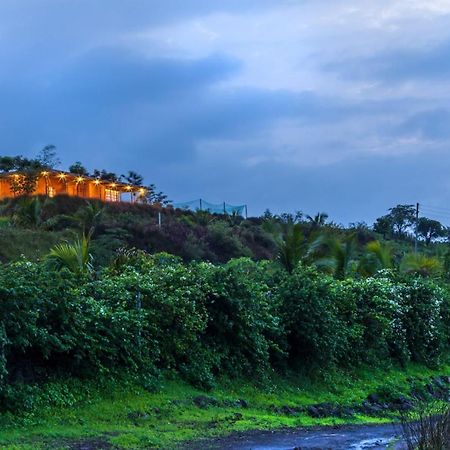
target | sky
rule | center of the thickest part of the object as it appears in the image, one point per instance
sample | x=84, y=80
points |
x=314, y=105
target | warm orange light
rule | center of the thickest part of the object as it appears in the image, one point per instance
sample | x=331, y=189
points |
x=128, y=188
x=142, y=191
x=62, y=175
x=97, y=182
x=44, y=173
x=113, y=185
x=80, y=179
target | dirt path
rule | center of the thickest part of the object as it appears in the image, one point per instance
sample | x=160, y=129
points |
x=355, y=437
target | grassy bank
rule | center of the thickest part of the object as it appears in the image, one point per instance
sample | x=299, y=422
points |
x=125, y=415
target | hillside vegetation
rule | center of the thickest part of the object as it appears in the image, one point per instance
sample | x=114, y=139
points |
x=97, y=299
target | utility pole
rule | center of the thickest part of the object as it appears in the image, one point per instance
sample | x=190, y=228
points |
x=417, y=224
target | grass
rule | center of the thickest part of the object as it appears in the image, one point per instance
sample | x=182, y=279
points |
x=127, y=416
x=33, y=244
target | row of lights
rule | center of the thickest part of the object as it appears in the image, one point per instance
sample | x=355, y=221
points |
x=63, y=176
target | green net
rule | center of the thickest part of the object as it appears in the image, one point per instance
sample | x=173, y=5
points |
x=214, y=208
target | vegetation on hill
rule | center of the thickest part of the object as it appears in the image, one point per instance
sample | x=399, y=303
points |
x=145, y=292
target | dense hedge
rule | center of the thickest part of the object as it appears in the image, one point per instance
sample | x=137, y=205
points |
x=152, y=314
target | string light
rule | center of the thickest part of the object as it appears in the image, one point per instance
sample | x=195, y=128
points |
x=79, y=179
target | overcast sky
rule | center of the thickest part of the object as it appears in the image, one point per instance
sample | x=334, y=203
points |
x=337, y=106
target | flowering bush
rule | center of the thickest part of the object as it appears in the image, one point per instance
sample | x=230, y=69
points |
x=148, y=314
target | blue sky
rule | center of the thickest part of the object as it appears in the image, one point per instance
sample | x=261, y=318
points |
x=337, y=106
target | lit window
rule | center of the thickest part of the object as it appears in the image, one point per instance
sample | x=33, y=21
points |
x=112, y=196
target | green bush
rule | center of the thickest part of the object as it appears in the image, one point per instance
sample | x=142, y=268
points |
x=423, y=303
x=314, y=330
x=148, y=315
x=370, y=310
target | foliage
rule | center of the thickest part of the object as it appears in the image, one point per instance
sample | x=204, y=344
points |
x=377, y=257
x=429, y=229
x=74, y=257
x=152, y=314
x=78, y=169
x=421, y=264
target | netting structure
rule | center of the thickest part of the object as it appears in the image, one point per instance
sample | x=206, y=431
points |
x=214, y=208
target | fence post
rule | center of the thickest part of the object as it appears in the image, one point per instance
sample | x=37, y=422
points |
x=201, y=209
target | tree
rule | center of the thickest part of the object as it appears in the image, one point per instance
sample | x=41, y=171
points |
x=341, y=257
x=318, y=220
x=27, y=171
x=133, y=178
x=48, y=158
x=8, y=163
x=429, y=229
x=75, y=257
x=420, y=264
x=105, y=176
x=154, y=197
x=78, y=169
x=293, y=246
x=376, y=257
x=383, y=225
x=402, y=217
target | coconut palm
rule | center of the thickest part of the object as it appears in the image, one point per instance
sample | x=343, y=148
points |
x=90, y=216
x=340, y=257
x=28, y=212
x=318, y=220
x=75, y=257
x=418, y=263
x=293, y=246
x=376, y=257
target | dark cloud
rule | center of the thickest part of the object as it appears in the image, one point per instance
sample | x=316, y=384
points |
x=71, y=78
x=431, y=124
x=394, y=66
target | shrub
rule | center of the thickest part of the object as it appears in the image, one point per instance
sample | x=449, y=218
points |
x=314, y=331
x=370, y=310
x=243, y=318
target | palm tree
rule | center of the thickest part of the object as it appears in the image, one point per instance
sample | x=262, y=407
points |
x=318, y=220
x=293, y=246
x=418, y=263
x=90, y=216
x=28, y=211
x=377, y=257
x=75, y=257
x=340, y=259
x=290, y=246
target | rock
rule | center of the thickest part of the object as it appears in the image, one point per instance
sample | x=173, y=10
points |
x=402, y=403
x=203, y=401
x=313, y=411
x=329, y=410
x=242, y=403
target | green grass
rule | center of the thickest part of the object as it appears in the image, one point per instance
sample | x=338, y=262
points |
x=16, y=242
x=128, y=416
